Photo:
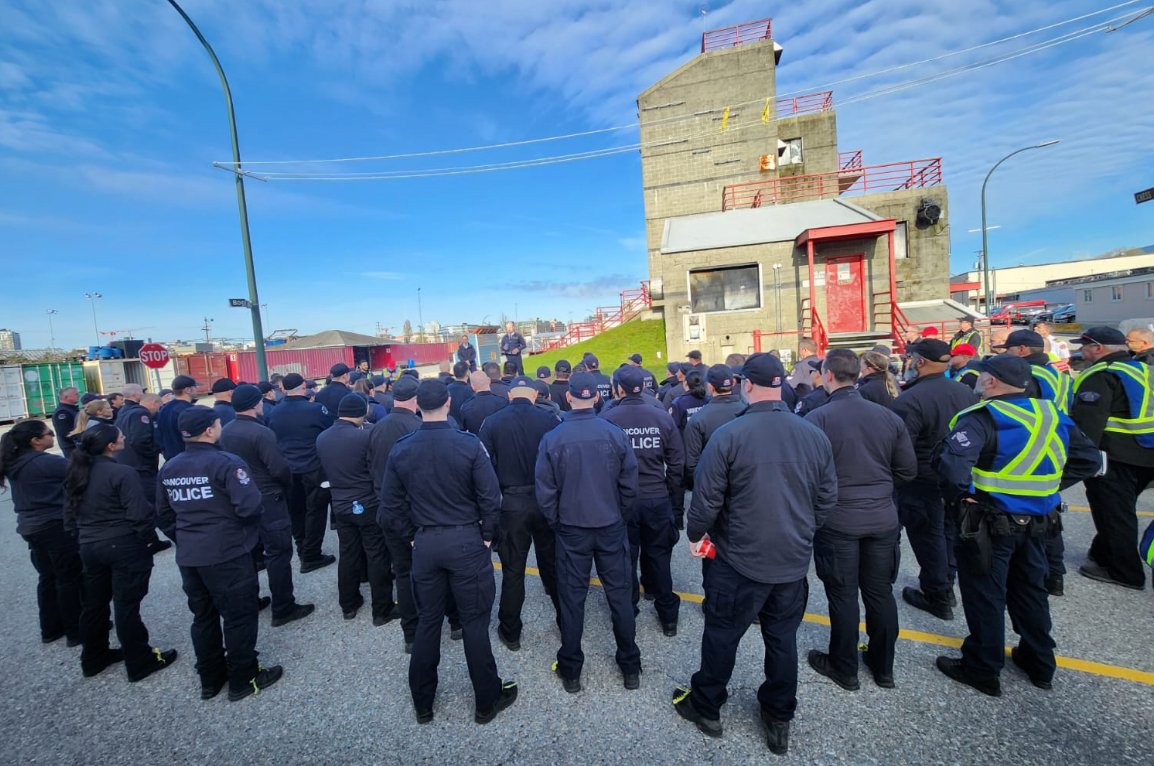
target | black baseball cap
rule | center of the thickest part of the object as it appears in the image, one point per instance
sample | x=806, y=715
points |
x=522, y=381
x=339, y=369
x=694, y=354
x=631, y=379
x=1011, y=370
x=583, y=386
x=405, y=388
x=591, y=362
x=720, y=377
x=542, y=371
x=635, y=358
x=1022, y=338
x=195, y=420
x=1103, y=336
x=181, y=382
x=673, y=367
x=563, y=366
x=763, y=370
x=931, y=349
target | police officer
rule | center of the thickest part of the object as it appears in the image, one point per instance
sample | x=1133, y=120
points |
x=382, y=392
x=692, y=401
x=961, y=364
x=926, y=406
x=440, y=493
x=512, y=344
x=656, y=444
x=512, y=436
x=483, y=404
x=269, y=393
x=967, y=334
x=211, y=505
x=604, y=383
x=297, y=423
x=678, y=387
x=858, y=547
x=337, y=389
x=222, y=389
x=1140, y=342
x=544, y=401
x=670, y=380
x=694, y=358
x=459, y=390
x=493, y=371
x=64, y=418
x=137, y=421
x=586, y=477
x=1050, y=384
x=249, y=439
x=724, y=405
x=467, y=354
x=560, y=385
x=816, y=395
x=1003, y=462
x=764, y=484
x=167, y=430
x=344, y=453
x=1114, y=407
x=646, y=375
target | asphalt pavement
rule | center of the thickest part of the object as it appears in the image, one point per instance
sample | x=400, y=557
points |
x=344, y=697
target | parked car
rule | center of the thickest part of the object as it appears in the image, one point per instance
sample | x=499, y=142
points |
x=1058, y=315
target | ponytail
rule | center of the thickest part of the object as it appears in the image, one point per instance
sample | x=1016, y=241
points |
x=90, y=412
x=879, y=362
x=695, y=384
x=91, y=445
x=16, y=442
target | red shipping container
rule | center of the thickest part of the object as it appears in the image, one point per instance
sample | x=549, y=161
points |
x=312, y=363
x=205, y=368
x=398, y=354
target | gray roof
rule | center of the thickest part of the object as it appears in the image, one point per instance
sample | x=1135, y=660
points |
x=757, y=226
x=330, y=338
x=936, y=310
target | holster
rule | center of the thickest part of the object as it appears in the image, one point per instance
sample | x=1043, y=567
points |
x=974, y=535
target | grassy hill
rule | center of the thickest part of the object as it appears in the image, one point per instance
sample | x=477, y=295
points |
x=613, y=346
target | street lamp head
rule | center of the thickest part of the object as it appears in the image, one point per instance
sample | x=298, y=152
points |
x=1048, y=143
x=50, y=311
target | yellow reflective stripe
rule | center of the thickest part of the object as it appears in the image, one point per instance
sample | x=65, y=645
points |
x=1019, y=475
x=971, y=408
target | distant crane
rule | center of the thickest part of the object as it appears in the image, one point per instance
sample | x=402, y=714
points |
x=128, y=332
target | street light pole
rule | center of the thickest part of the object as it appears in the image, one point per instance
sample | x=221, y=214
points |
x=777, y=294
x=92, y=298
x=985, y=230
x=51, y=330
x=246, y=242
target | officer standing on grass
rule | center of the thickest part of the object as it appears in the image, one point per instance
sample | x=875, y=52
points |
x=764, y=485
x=586, y=484
x=441, y=494
x=512, y=344
x=249, y=439
x=1004, y=462
x=512, y=437
x=212, y=507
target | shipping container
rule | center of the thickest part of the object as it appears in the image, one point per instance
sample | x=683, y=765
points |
x=205, y=368
x=42, y=383
x=396, y=355
x=12, y=405
x=109, y=376
x=312, y=363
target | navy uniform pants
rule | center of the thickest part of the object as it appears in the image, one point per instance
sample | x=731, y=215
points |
x=932, y=536
x=652, y=535
x=846, y=564
x=523, y=525
x=1015, y=581
x=732, y=601
x=578, y=548
x=308, y=506
x=118, y=571
x=453, y=560
x=516, y=359
x=56, y=558
x=224, y=594
x=401, y=557
x=277, y=542
x=1055, y=553
x=363, y=549
x=1113, y=499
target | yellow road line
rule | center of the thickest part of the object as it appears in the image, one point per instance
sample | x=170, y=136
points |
x=1070, y=663
x=1086, y=509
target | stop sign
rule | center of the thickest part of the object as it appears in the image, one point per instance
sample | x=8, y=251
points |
x=153, y=355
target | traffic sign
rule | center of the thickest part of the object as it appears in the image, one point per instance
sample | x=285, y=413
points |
x=239, y=303
x=153, y=355
x=1144, y=196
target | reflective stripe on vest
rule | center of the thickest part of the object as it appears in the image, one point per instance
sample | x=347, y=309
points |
x=1054, y=386
x=1036, y=469
x=1146, y=547
x=1138, y=382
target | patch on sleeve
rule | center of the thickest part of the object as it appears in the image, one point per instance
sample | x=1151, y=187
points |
x=144, y=419
x=324, y=409
x=797, y=407
x=962, y=438
x=62, y=416
x=242, y=476
x=1089, y=397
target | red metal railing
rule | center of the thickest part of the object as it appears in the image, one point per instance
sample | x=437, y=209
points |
x=863, y=180
x=807, y=104
x=849, y=160
x=739, y=34
x=633, y=302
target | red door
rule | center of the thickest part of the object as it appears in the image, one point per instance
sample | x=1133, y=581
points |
x=845, y=294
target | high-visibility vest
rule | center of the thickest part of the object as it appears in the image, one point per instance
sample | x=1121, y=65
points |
x=1055, y=386
x=1146, y=547
x=1026, y=472
x=1138, y=382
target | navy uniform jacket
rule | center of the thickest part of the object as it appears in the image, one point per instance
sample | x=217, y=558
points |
x=209, y=504
x=511, y=341
x=383, y=436
x=168, y=430
x=873, y=452
x=974, y=442
x=113, y=506
x=225, y=411
x=512, y=436
x=297, y=423
x=656, y=444
x=1100, y=397
x=604, y=387
x=720, y=410
x=648, y=381
x=459, y=393
x=345, y=458
x=37, y=483
x=481, y=406
x=255, y=444
x=684, y=407
x=557, y=391
x=927, y=405
x=467, y=353
x=141, y=450
x=385, y=399
x=63, y=421
x=646, y=397
x=438, y=476
x=500, y=388
x=811, y=401
x=873, y=388
x=586, y=473
x=330, y=396
x=764, y=485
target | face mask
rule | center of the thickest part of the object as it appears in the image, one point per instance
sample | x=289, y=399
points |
x=911, y=373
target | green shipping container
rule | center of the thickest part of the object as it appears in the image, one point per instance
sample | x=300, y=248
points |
x=42, y=381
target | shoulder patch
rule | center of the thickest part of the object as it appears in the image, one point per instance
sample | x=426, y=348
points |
x=962, y=438
x=1089, y=397
x=62, y=416
x=324, y=409
x=144, y=419
x=242, y=476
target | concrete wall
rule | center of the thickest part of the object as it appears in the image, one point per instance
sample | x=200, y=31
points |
x=1137, y=301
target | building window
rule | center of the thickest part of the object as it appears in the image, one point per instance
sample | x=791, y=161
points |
x=1087, y=296
x=733, y=288
x=901, y=241
x=789, y=151
x=1150, y=291
x=1116, y=293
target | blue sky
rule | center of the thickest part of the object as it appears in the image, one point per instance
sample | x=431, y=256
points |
x=111, y=115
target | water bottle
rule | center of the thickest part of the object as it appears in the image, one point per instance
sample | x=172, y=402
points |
x=358, y=509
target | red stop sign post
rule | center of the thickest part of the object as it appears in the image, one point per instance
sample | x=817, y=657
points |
x=154, y=356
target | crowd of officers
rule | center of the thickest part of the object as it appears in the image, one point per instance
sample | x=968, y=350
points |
x=424, y=478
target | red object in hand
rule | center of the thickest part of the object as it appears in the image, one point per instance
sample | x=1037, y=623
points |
x=703, y=548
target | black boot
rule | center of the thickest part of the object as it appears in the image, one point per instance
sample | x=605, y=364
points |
x=161, y=659
x=918, y=599
x=264, y=678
